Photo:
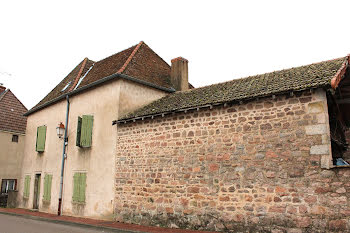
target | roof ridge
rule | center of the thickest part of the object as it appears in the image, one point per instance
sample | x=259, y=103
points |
x=338, y=76
x=121, y=70
x=252, y=76
x=79, y=73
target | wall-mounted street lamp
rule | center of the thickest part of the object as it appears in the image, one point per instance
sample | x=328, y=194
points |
x=60, y=130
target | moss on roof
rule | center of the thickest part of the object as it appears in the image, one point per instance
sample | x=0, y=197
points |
x=294, y=79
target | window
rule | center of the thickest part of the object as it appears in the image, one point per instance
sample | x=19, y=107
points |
x=26, y=186
x=84, y=131
x=7, y=185
x=47, y=187
x=40, y=138
x=66, y=86
x=14, y=138
x=79, y=184
x=82, y=78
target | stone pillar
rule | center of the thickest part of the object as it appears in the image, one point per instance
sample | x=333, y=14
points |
x=321, y=127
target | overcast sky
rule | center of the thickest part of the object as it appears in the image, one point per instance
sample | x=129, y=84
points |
x=41, y=41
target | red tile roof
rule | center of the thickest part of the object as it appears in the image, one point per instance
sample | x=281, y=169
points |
x=139, y=62
x=130, y=57
x=70, y=78
x=79, y=74
x=148, y=66
x=11, y=113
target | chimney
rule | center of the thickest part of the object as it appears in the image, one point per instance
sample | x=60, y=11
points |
x=179, y=73
x=2, y=88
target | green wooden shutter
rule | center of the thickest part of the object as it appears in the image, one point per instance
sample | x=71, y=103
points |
x=83, y=132
x=49, y=184
x=76, y=187
x=37, y=139
x=79, y=187
x=77, y=143
x=86, y=131
x=82, y=187
x=89, y=132
x=45, y=188
x=26, y=186
x=40, y=138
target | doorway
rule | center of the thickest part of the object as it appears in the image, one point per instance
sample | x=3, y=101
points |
x=36, y=191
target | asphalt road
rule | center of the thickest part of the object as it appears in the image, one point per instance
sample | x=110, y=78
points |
x=18, y=224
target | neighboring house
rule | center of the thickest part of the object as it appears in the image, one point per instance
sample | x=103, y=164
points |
x=257, y=154
x=89, y=99
x=12, y=131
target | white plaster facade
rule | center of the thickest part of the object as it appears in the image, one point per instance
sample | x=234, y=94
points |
x=105, y=102
x=11, y=155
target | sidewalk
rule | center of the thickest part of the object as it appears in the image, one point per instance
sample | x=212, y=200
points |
x=92, y=222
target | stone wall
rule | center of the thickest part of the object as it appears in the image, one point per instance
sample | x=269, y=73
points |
x=251, y=167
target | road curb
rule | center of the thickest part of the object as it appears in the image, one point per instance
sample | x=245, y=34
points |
x=69, y=223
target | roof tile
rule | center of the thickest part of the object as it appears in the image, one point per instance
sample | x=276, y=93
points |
x=11, y=113
x=148, y=66
x=294, y=79
x=57, y=91
x=138, y=61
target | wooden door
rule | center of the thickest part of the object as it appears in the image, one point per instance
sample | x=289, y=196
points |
x=36, y=191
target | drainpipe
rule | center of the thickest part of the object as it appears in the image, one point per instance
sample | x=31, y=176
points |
x=65, y=143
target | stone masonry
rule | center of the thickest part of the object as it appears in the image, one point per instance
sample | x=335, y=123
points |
x=260, y=166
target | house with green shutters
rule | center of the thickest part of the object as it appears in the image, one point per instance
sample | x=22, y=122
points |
x=127, y=138
x=69, y=160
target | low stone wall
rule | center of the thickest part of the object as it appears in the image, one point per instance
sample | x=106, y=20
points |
x=254, y=167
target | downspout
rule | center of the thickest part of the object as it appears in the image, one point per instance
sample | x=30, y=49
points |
x=65, y=143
